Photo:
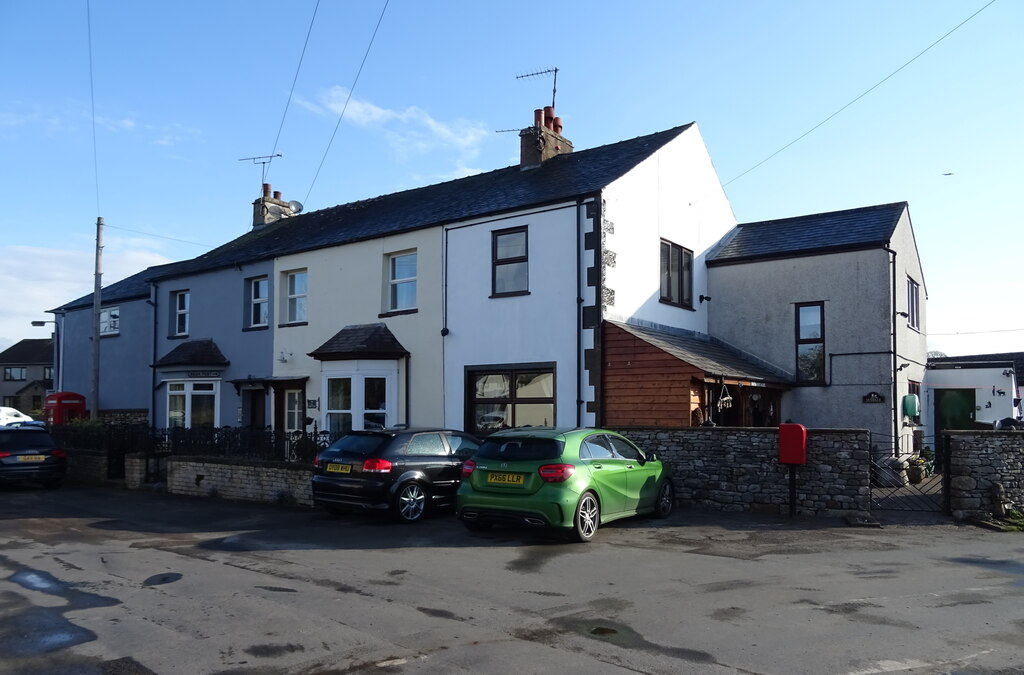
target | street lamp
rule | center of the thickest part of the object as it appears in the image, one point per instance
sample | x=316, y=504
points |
x=58, y=350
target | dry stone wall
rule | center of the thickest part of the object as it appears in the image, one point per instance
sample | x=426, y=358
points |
x=736, y=469
x=986, y=471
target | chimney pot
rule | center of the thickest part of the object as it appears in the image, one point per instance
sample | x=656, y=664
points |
x=558, y=126
x=549, y=116
x=538, y=117
x=266, y=189
x=277, y=195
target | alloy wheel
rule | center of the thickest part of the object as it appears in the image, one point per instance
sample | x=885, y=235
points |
x=410, y=503
x=588, y=515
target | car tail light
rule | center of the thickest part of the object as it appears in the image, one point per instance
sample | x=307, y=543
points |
x=376, y=465
x=468, y=467
x=556, y=473
x=58, y=453
x=318, y=462
x=4, y=453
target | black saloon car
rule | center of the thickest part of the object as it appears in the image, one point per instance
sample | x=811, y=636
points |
x=405, y=471
x=29, y=454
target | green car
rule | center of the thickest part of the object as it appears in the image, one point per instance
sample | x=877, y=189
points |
x=569, y=479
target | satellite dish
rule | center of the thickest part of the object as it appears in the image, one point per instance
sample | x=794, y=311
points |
x=295, y=206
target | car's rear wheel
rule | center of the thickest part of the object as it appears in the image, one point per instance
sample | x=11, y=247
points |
x=587, y=518
x=410, y=503
x=665, y=500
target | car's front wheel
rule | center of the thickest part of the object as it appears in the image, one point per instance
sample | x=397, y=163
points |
x=410, y=503
x=665, y=501
x=587, y=518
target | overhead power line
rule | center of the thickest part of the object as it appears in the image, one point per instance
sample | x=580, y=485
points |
x=347, y=99
x=92, y=101
x=291, y=93
x=981, y=332
x=878, y=84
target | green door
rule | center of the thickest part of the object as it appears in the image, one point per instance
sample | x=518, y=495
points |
x=954, y=409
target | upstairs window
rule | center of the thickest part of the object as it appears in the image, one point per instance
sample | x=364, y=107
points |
x=179, y=309
x=47, y=372
x=259, y=302
x=15, y=374
x=810, y=343
x=402, y=282
x=676, y=275
x=509, y=262
x=913, y=304
x=110, y=321
x=296, y=288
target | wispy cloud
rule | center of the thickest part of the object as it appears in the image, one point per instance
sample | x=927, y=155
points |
x=410, y=131
x=45, y=278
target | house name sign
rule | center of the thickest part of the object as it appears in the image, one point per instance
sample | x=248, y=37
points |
x=873, y=397
x=203, y=373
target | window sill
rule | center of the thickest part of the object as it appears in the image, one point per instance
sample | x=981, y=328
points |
x=293, y=323
x=677, y=304
x=247, y=329
x=109, y=335
x=178, y=337
x=397, y=312
x=513, y=294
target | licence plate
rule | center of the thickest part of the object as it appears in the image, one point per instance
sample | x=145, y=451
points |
x=505, y=478
x=339, y=468
x=31, y=458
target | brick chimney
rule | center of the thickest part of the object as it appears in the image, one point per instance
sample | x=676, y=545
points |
x=270, y=209
x=543, y=140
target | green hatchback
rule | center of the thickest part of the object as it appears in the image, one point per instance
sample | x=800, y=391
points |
x=569, y=479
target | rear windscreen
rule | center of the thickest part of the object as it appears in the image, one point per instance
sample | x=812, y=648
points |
x=520, y=448
x=25, y=440
x=360, y=444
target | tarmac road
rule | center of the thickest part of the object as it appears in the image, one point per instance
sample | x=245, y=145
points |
x=98, y=580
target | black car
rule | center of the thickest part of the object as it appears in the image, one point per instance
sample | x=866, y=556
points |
x=29, y=454
x=406, y=471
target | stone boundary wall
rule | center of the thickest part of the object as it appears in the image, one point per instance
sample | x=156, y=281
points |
x=246, y=480
x=87, y=465
x=979, y=460
x=736, y=469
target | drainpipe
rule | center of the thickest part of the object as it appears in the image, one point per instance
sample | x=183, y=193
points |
x=153, y=291
x=579, y=312
x=892, y=324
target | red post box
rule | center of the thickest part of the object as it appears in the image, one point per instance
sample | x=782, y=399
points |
x=63, y=406
x=792, y=444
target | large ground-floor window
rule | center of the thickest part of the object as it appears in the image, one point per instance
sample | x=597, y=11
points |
x=192, y=404
x=360, y=399
x=505, y=397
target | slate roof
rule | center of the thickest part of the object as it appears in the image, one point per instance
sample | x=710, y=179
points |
x=203, y=352
x=28, y=352
x=558, y=179
x=700, y=351
x=852, y=229
x=366, y=341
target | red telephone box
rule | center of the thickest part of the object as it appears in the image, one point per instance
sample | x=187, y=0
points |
x=792, y=444
x=63, y=406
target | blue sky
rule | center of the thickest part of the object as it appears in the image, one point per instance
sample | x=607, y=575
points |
x=180, y=92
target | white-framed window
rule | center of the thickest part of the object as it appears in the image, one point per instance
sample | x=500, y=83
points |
x=258, y=294
x=913, y=303
x=294, y=410
x=110, y=321
x=296, y=289
x=402, y=281
x=179, y=312
x=360, y=398
x=192, y=403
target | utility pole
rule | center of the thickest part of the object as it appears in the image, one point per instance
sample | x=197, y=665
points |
x=94, y=409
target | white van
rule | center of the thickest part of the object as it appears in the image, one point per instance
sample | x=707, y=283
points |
x=9, y=415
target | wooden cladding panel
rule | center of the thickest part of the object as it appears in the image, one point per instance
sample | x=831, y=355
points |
x=643, y=385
